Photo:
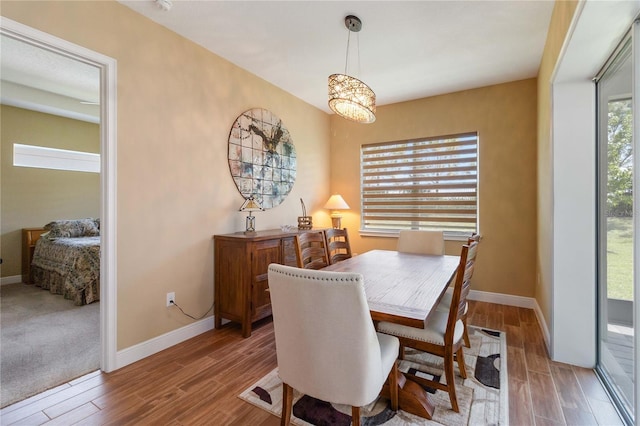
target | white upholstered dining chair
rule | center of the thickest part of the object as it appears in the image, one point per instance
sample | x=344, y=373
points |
x=326, y=344
x=421, y=242
x=442, y=332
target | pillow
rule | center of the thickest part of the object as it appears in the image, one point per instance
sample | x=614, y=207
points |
x=72, y=228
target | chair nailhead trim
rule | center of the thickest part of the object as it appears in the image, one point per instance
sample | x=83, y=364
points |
x=311, y=277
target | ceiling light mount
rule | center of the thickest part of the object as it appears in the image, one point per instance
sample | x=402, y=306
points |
x=165, y=5
x=353, y=23
x=349, y=97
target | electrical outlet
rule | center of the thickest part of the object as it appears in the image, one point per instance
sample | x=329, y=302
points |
x=171, y=297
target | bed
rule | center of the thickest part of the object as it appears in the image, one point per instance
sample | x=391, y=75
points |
x=66, y=260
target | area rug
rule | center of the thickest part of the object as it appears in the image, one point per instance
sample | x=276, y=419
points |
x=482, y=397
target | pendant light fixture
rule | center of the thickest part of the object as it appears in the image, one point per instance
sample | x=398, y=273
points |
x=349, y=97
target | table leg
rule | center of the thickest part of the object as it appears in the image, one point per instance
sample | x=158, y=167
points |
x=412, y=398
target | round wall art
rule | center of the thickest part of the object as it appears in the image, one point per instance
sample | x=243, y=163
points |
x=262, y=158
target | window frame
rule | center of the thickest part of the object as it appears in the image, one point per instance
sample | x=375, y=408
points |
x=41, y=157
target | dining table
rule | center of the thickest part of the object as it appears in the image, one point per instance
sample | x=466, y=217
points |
x=403, y=288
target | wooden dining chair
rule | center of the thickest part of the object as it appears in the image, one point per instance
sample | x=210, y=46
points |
x=442, y=333
x=445, y=302
x=326, y=344
x=421, y=242
x=311, y=250
x=338, y=246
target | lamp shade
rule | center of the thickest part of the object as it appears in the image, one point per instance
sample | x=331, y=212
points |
x=336, y=202
x=250, y=205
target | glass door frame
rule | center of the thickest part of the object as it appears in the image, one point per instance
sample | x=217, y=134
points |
x=633, y=37
x=635, y=106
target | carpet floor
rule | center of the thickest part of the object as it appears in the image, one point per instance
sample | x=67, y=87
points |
x=46, y=340
x=482, y=397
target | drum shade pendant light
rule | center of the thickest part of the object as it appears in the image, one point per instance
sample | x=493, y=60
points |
x=349, y=97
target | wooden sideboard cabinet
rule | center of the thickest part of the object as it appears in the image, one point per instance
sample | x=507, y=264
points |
x=241, y=265
x=29, y=238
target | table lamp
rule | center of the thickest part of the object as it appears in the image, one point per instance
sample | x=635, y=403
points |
x=250, y=205
x=336, y=203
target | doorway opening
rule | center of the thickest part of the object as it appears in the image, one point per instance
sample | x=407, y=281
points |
x=107, y=117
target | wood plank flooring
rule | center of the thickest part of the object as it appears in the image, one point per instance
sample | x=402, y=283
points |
x=197, y=383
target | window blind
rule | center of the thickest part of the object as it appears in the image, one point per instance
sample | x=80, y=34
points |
x=428, y=183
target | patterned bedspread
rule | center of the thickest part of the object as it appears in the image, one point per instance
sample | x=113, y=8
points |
x=69, y=266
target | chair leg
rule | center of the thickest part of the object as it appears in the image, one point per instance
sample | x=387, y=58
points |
x=461, y=364
x=401, y=352
x=355, y=416
x=465, y=335
x=451, y=383
x=287, y=404
x=393, y=386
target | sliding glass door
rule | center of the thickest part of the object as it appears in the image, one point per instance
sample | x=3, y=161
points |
x=616, y=237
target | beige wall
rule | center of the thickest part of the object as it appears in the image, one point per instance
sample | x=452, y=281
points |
x=504, y=116
x=176, y=104
x=560, y=20
x=34, y=197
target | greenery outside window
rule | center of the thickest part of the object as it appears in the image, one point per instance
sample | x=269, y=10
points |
x=619, y=159
x=429, y=183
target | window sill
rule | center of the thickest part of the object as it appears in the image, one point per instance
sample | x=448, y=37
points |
x=448, y=236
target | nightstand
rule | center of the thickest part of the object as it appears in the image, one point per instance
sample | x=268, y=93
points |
x=29, y=238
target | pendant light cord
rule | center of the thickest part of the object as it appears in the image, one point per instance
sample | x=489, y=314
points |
x=346, y=59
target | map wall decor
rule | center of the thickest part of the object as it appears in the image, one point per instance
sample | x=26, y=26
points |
x=262, y=157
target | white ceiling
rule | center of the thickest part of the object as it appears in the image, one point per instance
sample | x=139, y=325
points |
x=25, y=64
x=41, y=80
x=408, y=49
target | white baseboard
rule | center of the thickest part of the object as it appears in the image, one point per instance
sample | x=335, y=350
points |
x=142, y=350
x=501, y=299
x=543, y=325
x=11, y=280
x=519, y=301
